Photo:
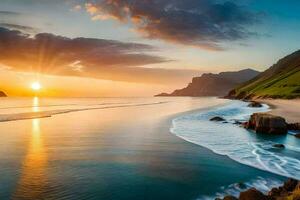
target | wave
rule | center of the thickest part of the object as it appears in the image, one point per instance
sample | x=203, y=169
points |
x=58, y=105
x=49, y=113
x=238, y=143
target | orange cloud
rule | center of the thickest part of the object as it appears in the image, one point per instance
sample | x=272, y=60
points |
x=203, y=24
x=84, y=57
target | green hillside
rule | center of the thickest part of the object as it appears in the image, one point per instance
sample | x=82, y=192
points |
x=282, y=80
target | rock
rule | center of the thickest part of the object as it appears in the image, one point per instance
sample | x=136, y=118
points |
x=290, y=185
x=252, y=194
x=289, y=191
x=255, y=104
x=218, y=119
x=281, y=146
x=275, y=192
x=237, y=122
x=162, y=95
x=241, y=185
x=230, y=198
x=267, y=123
x=246, y=125
x=294, y=126
x=214, y=84
x=2, y=94
x=297, y=135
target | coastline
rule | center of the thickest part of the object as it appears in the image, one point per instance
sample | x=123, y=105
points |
x=289, y=109
x=276, y=107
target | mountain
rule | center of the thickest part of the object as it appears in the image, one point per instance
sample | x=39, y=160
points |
x=2, y=94
x=282, y=80
x=214, y=84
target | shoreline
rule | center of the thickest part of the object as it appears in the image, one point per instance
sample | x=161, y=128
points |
x=289, y=109
x=274, y=107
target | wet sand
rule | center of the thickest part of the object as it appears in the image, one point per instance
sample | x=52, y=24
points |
x=289, y=109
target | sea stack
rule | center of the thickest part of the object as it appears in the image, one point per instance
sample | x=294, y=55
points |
x=267, y=123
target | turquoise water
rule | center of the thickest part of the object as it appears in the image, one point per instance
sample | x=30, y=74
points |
x=116, y=148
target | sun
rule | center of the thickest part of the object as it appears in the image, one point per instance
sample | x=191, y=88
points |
x=36, y=86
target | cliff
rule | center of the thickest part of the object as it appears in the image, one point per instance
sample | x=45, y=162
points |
x=214, y=84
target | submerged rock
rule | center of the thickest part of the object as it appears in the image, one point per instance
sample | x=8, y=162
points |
x=218, y=119
x=230, y=198
x=236, y=122
x=241, y=185
x=267, y=123
x=252, y=194
x=255, y=104
x=281, y=146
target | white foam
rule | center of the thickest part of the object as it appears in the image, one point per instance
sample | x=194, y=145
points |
x=235, y=142
x=262, y=184
x=49, y=113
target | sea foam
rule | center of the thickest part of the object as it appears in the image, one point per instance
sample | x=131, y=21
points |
x=238, y=143
x=49, y=113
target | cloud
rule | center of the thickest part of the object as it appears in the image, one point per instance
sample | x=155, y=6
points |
x=84, y=57
x=27, y=29
x=76, y=8
x=9, y=13
x=201, y=23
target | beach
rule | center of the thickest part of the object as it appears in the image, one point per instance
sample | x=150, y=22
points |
x=289, y=109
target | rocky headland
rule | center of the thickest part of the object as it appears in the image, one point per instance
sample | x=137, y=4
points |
x=290, y=190
x=214, y=84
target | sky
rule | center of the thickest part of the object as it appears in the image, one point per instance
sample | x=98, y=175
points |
x=117, y=48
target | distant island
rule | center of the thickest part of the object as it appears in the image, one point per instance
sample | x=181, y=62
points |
x=280, y=81
x=2, y=94
x=214, y=84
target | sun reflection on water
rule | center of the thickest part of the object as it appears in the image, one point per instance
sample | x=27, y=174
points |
x=35, y=104
x=32, y=181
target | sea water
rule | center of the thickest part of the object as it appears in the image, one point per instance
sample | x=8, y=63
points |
x=122, y=148
x=230, y=139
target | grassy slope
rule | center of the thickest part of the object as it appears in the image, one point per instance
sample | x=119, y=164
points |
x=280, y=81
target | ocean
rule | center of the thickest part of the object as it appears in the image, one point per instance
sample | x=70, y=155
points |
x=135, y=148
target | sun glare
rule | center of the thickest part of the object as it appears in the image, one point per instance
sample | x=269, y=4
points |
x=36, y=86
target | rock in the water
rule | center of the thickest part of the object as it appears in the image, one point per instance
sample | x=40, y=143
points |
x=230, y=198
x=297, y=135
x=294, y=126
x=275, y=192
x=241, y=185
x=290, y=185
x=290, y=190
x=252, y=194
x=281, y=146
x=255, y=104
x=237, y=122
x=267, y=123
x=218, y=119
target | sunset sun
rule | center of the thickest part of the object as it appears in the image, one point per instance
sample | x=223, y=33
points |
x=36, y=86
